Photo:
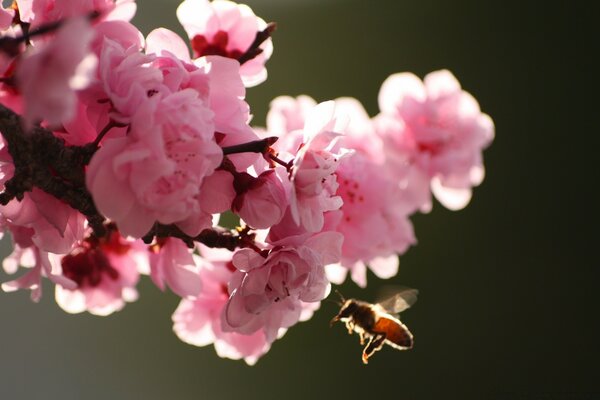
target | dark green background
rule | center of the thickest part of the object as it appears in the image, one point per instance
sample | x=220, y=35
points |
x=508, y=297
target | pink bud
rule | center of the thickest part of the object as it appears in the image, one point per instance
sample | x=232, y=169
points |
x=262, y=201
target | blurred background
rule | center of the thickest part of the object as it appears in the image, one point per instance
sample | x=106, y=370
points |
x=507, y=286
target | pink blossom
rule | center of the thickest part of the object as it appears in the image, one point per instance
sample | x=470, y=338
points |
x=313, y=180
x=226, y=29
x=106, y=273
x=49, y=74
x=198, y=321
x=172, y=263
x=440, y=131
x=267, y=292
x=375, y=220
x=155, y=173
x=261, y=202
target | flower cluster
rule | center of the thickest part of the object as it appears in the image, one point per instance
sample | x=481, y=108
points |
x=118, y=152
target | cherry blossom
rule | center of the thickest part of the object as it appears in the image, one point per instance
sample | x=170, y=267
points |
x=121, y=156
x=226, y=29
x=105, y=271
x=267, y=292
x=440, y=131
x=198, y=321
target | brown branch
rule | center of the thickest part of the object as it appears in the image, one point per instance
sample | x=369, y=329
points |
x=44, y=161
x=214, y=238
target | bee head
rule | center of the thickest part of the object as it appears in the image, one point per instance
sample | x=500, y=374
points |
x=347, y=310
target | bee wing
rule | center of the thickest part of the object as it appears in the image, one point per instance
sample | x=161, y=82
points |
x=400, y=301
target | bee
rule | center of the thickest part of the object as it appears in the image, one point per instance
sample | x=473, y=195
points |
x=378, y=324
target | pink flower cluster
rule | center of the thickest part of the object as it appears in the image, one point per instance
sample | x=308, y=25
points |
x=331, y=196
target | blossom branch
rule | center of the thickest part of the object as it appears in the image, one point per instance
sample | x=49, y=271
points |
x=215, y=237
x=254, y=49
x=44, y=161
x=256, y=146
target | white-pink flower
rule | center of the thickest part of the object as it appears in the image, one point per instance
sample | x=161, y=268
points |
x=268, y=291
x=313, y=181
x=438, y=129
x=224, y=28
x=49, y=74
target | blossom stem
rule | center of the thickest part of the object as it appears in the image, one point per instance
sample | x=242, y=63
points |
x=256, y=146
x=287, y=165
x=254, y=49
x=111, y=124
x=215, y=237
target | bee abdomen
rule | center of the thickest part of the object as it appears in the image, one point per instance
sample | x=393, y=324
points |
x=396, y=333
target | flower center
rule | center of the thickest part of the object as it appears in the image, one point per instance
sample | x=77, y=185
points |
x=216, y=47
x=89, y=264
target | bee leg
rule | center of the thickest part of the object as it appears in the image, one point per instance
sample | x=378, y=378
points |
x=362, y=338
x=375, y=344
x=350, y=326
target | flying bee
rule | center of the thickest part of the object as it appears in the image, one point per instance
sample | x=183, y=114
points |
x=379, y=323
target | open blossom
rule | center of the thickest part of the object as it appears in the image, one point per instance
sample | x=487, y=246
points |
x=106, y=272
x=226, y=29
x=439, y=129
x=374, y=215
x=49, y=74
x=313, y=180
x=267, y=292
x=198, y=321
x=155, y=173
x=374, y=221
